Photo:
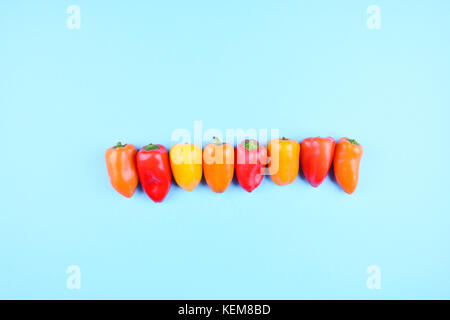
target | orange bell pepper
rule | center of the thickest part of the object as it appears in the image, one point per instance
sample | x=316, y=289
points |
x=186, y=164
x=218, y=165
x=121, y=166
x=346, y=163
x=284, y=160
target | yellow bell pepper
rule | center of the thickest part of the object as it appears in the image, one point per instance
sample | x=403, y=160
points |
x=186, y=164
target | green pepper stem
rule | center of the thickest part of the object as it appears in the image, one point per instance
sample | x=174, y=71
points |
x=353, y=141
x=251, y=144
x=119, y=145
x=151, y=146
x=217, y=141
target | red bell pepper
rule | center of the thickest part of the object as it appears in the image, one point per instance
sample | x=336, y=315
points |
x=251, y=159
x=154, y=171
x=316, y=156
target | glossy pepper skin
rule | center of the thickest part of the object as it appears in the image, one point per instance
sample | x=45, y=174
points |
x=251, y=159
x=218, y=165
x=154, y=171
x=121, y=166
x=347, y=158
x=284, y=160
x=186, y=164
x=316, y=158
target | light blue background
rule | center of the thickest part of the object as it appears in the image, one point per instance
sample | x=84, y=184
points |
x=137, y=70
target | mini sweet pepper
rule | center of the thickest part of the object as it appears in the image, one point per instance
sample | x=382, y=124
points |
x=154, y=171
x=251, y=159
x=347, y=158
x=121, y=166
x=316, y=158
x=218, y=165
x=186, y=164
x=284, y=160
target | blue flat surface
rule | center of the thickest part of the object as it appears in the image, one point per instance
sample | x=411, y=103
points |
x=137, y=71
